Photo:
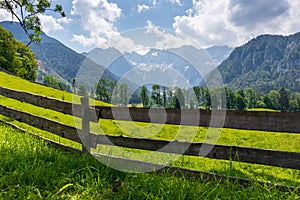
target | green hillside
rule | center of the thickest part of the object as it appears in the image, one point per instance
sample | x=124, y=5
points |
x=16, y=83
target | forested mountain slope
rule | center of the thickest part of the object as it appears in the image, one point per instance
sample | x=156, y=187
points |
x=265, y=63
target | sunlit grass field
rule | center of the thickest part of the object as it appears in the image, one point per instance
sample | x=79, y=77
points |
x=16, y=83
x=31, y=168
x=231, y=137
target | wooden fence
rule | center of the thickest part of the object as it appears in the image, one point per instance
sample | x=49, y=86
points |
x=266, y=121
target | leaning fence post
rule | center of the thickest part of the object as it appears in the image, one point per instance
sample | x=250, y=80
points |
x=85, y=124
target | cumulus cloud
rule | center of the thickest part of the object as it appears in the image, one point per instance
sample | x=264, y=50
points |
x=49, y=23
x=233, y=22
x=64, y=20
x=5, y=16
x=96, y=15
x=112, y=39
x=167, y=39
x=89, y=41
x=141, y=8
x=98, y=18
x=151, y=27
x=124, y=44
x=206, y=22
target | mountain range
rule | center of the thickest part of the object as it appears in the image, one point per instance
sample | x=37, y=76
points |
x=264, y=63
x=183, y=67
x=62, y=62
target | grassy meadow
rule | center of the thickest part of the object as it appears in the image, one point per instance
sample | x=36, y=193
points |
x=80, y=178
x=31, y=168
x=16, y=83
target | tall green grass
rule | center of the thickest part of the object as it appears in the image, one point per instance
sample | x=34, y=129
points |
x=31, y=168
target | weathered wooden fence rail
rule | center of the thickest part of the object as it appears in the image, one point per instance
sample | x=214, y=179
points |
x=264, y=121
x=288, y=122
x=56, y=128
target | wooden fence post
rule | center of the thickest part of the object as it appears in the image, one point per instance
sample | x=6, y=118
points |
x=85, y=124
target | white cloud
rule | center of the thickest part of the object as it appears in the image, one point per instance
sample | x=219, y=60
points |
x=154, y=2
x=233, y=22
x=89, y=41
x=142, y=8
x=151, y=27
x=6, y=16
x=167, y=39
x=124, y=44
x=176, y=2
x=110, y=39
x=292, y=17
x=64, y=20
x=97, y=15
x=49, y=23
x=98, y=18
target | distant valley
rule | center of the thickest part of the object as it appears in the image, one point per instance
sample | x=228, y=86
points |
x=184, y=67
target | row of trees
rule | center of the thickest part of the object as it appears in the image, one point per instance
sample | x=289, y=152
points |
x=282, y=99
x=55, y=83
x=195, y=98
x=202, y=97
x=162, y=96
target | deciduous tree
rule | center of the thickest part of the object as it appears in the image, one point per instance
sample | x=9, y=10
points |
x=156, y=97
x=284, y=99
x=144, y=96
x=15, y=57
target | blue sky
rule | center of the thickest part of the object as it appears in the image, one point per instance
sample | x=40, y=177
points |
x=105, y=23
